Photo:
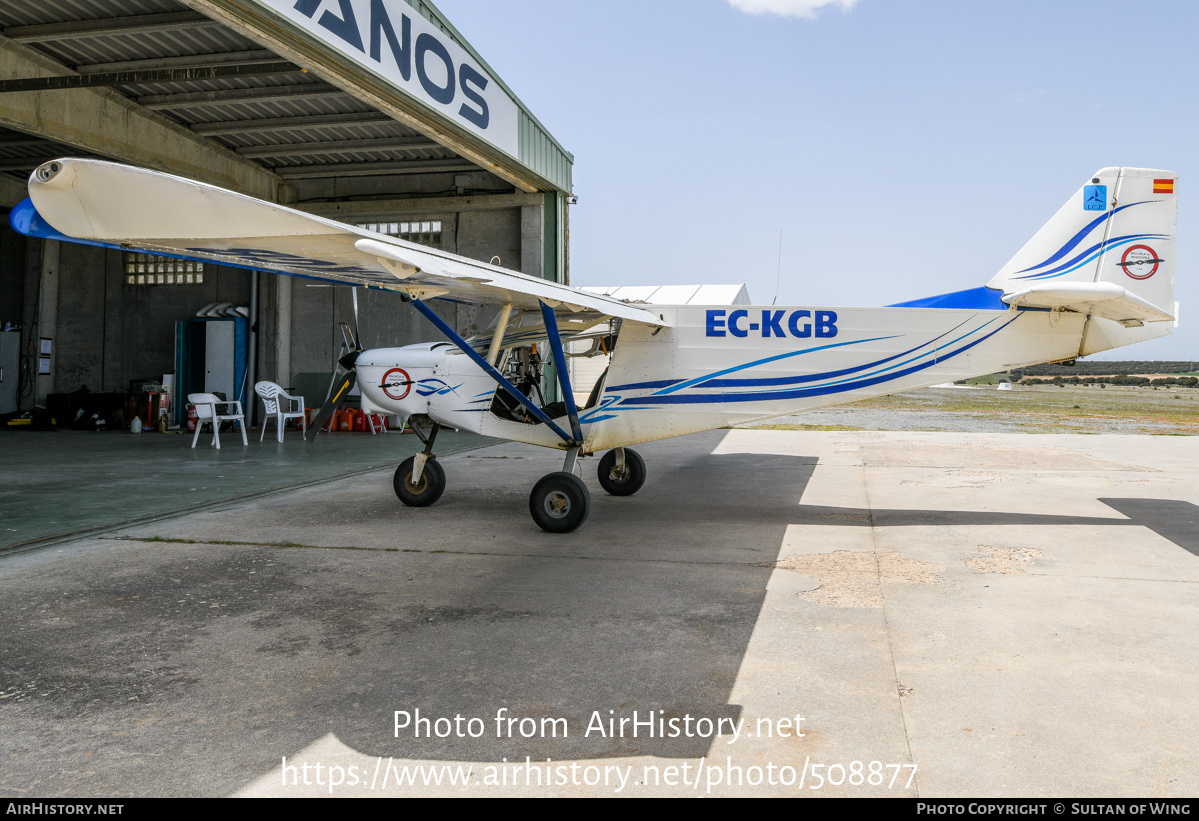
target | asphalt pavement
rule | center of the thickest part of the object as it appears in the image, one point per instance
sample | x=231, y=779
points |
x=775, y=613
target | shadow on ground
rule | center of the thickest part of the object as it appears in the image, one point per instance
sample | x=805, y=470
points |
x=250, y=652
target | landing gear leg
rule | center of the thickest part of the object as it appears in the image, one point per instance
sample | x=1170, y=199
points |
x=571, y=463
x=560, y=502
x=419, y=480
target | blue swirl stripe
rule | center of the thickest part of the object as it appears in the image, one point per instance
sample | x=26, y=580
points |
x=819, y=377
x=660, y=383
x=606, y=404
x=1077, y=238
x=932, y=353
x=1091, y=254
x=822, y=390
x=428, y=387
x=692, y=382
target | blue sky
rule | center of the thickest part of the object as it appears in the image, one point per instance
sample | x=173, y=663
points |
x=903, y=147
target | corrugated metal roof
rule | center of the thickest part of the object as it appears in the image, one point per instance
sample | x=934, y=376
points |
x=312, y=123
x=21, y=153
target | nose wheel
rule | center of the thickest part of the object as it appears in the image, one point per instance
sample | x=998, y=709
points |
x=424, y=491
x=419, y=480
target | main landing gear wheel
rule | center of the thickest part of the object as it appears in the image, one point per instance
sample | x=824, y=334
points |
x=559, y=502
x=622, y=480
x=425, y=492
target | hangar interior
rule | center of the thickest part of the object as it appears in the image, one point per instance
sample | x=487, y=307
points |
x=233, y=93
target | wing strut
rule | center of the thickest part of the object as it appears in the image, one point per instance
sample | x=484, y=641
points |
x=497, y=336
x=551, y=326
x=491, y=371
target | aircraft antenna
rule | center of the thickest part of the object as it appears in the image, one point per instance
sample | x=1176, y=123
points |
x=778, y=276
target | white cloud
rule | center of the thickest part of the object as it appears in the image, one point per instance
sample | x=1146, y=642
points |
x=807, y=9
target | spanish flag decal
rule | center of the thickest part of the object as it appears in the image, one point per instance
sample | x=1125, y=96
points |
x=1163, y=186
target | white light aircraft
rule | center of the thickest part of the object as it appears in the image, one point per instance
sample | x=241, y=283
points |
x=1099, y=275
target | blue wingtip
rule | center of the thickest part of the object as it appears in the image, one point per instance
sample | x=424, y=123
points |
x=23, y=216
x=25, y=219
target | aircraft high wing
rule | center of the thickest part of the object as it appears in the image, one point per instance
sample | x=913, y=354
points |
x=1099, y=275
x=121, y=206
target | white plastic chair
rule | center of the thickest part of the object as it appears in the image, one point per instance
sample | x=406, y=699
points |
x=206, y=405
x=271, y=395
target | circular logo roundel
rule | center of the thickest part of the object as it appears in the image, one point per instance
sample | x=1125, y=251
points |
x=1140, y=261
x=396, y=383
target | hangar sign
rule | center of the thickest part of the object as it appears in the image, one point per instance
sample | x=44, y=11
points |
x=393, y=41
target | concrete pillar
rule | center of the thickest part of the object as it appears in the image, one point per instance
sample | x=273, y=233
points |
x=551, y=238
x=283, y=330
x=251, y=404
x=566, y=241
x=47, y=319
x=532, y=239
x=29, y=318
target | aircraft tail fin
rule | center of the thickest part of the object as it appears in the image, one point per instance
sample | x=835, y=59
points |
x=1109, y=250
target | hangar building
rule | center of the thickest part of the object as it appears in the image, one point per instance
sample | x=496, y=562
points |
x=371, y=112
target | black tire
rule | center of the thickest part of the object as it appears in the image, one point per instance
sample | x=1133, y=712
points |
x=559, y=502
x=432, y=483
x=626, y=482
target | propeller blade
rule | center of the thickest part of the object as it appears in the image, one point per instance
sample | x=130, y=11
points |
x=335, y=399
x=353, y=347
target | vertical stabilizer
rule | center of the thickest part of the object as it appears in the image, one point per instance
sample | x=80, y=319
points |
x=1119, y=229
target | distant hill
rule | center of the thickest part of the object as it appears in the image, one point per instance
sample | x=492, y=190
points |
x=1099, y=368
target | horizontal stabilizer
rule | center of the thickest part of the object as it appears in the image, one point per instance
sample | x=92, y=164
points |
x=1105, y=299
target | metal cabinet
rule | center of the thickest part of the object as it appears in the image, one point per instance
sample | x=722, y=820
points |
x=211, y=355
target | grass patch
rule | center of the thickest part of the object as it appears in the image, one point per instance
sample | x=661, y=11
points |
x=799, y=427
x=1124, y=403
x=1024, y=409
x=990, y=379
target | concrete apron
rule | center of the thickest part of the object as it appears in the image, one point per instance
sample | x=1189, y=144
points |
x=66, y=484
x=900, y=614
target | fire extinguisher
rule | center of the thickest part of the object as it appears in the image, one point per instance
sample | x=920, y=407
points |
x=191, y=418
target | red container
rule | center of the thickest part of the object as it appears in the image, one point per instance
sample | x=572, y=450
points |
x=359, y=421
x=191, y=418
